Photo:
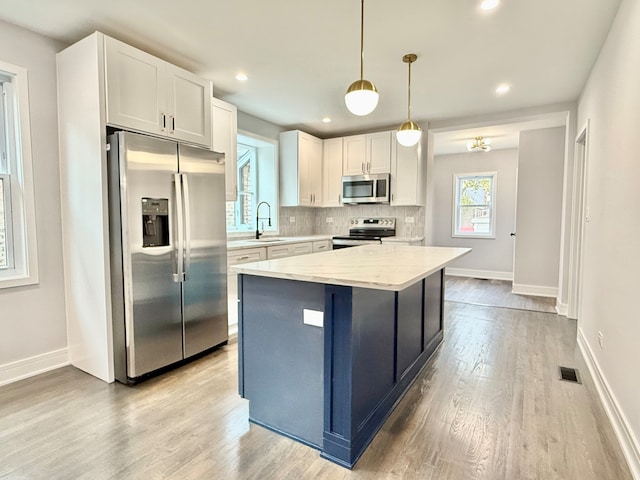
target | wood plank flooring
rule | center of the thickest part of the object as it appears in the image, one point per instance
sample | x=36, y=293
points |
x=488, y=406
x=494, y=293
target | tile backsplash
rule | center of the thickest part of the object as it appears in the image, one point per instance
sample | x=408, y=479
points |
x=313, y=221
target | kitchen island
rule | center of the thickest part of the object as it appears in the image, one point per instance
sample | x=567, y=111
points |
x=330, y=342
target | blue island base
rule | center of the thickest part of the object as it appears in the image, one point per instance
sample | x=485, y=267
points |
x=333, y=387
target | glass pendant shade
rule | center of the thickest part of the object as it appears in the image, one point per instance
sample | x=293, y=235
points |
x=361, y=97
x=408, y=134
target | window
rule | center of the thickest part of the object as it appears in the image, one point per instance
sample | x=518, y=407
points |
x=240, y=213
x=474, y=205
x=18, y=253
x=256, y=170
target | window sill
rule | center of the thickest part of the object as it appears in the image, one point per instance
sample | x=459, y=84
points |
x=476, y=236
x=8, y=280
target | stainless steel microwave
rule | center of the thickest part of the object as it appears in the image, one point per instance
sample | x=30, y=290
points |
x=366, y=188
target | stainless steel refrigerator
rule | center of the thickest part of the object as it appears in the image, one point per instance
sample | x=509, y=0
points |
x=168, y=252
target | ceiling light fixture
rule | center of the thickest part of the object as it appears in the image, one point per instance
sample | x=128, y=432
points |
x=361, y=97
x=503, y=88
x=409, y=132
x=326, y=120
x=241, y=77
x=479, y=144
x=489, y=4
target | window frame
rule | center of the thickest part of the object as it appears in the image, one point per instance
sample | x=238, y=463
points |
x=457, y=178
x=18, y=169
x=250, y=158
x=266, y=183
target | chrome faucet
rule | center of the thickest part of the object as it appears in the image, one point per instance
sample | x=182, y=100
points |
x=258, y=218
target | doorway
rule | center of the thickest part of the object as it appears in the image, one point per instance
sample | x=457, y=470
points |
x=579, y=216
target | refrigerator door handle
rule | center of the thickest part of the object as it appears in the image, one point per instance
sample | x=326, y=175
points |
x=178, y=276
x=187, y=225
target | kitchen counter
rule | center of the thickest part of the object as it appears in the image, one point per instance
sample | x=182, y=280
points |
x=383, y=267
x=407, y=240
x=329, y=342
x=265, y=241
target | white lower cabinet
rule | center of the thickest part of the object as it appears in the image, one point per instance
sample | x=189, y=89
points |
x=321, y=246
x=289, y=250
x=247, y=255
x=235, y=257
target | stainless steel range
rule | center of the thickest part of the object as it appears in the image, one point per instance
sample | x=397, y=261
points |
x=364, y=231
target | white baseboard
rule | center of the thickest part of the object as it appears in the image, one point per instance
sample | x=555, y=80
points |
x=488, y=274
x=233, y=329
x=28, y=367
x=536, y=290
x=562, y=309
x=628, y=441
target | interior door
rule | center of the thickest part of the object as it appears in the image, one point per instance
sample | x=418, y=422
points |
x=205, y=285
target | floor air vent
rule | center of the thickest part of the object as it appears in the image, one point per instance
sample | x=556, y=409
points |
x=569, y=375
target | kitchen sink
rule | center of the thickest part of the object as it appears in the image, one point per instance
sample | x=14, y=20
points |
x=266, y=240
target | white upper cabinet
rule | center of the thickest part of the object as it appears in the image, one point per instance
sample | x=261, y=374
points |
x=408, y=182
x=300, y=169
x=135, y=85
x=355, y=153
x=147, y=94
x=332, y=172
x=188, y=106
x=224, y=124
x=368, y=153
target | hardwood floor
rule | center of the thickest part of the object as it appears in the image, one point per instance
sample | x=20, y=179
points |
x=488, y=406
x=494, y=293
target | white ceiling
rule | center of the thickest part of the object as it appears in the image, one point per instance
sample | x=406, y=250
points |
x=301, y=56
x=502, y=136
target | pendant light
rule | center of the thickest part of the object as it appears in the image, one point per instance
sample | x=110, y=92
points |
x=361, y=97
x=409, y=132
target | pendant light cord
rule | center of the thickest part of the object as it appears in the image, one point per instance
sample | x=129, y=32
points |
x=409, y=95
x=361, y=40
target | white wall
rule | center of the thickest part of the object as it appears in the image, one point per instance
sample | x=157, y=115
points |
x=494, y=256
x=32, y=319
x=609, y=300
x=539, y=211
x=257, y=126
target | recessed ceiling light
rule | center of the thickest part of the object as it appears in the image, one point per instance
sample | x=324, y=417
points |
x=502, y=89
x=242, y=77
x=489, y=4
x=326, y=120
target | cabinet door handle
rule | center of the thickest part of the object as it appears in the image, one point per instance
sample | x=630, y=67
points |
x=163, y=122
x=362, y=168
x=244, y=257
x=173, y=124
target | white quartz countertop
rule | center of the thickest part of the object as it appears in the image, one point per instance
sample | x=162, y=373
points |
x=402, y=239
x=266, y=241
x=383, y=267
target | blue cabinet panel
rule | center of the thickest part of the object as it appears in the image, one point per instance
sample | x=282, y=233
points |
x=410, y=322
x=373, y=337
x=433, y=306
x=282, y=357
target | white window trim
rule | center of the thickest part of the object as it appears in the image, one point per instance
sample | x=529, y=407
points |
x=25, y=245
x=454, y=219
